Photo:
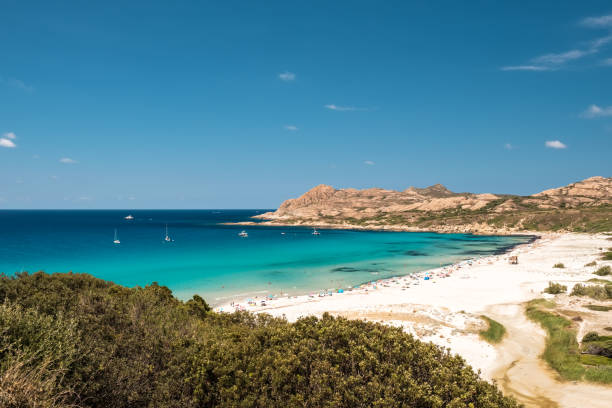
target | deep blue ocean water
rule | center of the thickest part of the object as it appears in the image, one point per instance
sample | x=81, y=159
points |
x=212, y=260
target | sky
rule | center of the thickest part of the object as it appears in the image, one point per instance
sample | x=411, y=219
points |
x=243, y=104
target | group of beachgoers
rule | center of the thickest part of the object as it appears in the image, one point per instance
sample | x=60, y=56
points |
x=258, y=303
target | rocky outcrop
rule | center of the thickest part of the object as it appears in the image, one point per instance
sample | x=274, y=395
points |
x=437, y=208
x=594, y=190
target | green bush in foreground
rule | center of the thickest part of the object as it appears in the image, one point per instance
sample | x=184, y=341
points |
x=494, y=333
x=593, y=263
x=561, y=351
x=84, y=342
x=603, y=271
x=555, y=288
x=558, y=265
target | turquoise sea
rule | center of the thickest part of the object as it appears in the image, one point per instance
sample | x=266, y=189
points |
x=212, y=260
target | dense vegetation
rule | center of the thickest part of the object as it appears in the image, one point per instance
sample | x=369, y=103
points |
x=555, y=288
x=69, y=340
x=559, y=265
x=495, y=332
x=562, y=351
x=599, y=292
x=526, y=216
x=603, y=271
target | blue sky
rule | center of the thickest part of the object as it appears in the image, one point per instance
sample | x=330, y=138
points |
x=240, y=104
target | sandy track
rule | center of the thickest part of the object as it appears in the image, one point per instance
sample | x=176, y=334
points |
x=525, y=375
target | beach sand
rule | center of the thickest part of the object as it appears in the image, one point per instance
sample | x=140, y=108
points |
x=446, y=308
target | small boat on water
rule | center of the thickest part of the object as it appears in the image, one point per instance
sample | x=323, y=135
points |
x=167, y=237
x=315, y=232
x=129, y=217
x=116, y=240
x=243, y=234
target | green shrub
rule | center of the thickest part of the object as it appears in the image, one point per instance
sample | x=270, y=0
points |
x=607, y=256
x=590, y=336
x=558, y=265
x=494, y=333
x=593, y=291
x=603, y=271
x=555, y=288
x=117, y=347
x=591, y=264
x=592, y=343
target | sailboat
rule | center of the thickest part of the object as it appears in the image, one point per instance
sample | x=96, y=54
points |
x=167, y=237
x=116, y=241
x=243, y=234
x=129, y=217
x=315, y=232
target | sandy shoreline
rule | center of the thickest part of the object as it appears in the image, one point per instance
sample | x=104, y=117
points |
x=444, y=305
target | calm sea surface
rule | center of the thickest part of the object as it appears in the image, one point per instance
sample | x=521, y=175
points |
x=212, y=260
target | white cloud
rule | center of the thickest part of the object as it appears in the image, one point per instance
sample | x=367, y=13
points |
x=562, y=58
x=599, y=42
x=595, y=111
x=7, y=143
x=85, y=198
x=555, y=61
x=291, y=128
x=287, y=76
x=508, y=146
x=596, y=22
x=525, y=68
x=555, y=144
x=369, y=162
x=344, y=108
x=7, y=140
x=68, y=160
x=607, y=62
x=131, y=198
x=17, y=83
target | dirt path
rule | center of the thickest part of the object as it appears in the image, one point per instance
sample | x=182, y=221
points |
x=523, y=374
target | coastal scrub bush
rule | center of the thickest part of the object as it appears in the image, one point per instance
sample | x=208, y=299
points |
x=593, y=343
x=558, y=265
x=593, y=263
x=494, y=333
x=555, y=288
x=85, y=342
x=590, y=336
x=603, y=271
x=607, y=256
x=593, y=291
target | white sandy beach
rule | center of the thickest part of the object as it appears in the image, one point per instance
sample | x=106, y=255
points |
x=445, y=310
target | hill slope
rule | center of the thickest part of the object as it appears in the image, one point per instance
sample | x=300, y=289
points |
x=583, y=206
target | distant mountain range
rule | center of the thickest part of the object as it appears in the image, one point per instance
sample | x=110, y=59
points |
x=584, y=206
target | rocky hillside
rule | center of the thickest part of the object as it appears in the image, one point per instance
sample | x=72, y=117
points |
x=581, y=206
